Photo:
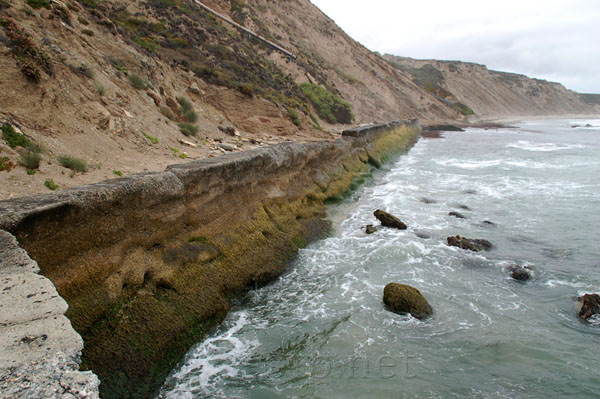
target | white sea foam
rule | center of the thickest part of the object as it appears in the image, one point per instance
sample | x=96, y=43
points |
x=542, y=147
x=216, y=357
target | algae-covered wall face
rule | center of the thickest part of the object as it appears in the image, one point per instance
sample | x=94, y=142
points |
x=148, y=266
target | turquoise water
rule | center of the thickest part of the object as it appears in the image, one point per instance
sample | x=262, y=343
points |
x=321, y=330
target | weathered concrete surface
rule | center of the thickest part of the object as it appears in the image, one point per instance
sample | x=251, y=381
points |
x=39, y=349
x=148, y=263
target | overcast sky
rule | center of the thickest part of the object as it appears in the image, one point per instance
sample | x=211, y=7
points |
x=546, y=39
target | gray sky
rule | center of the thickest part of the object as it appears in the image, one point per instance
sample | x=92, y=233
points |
x=547, y=39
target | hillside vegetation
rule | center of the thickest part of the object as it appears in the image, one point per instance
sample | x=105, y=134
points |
x=101, y=81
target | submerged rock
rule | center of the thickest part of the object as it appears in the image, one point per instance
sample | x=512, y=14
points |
x=426, y=200
x=519, y=273
x=471, y=244
x=488, y=223
x=401, y=298
x=370, y=229
x=457, y=215
x=389, y=220
x=422, y=234
x=590, y=306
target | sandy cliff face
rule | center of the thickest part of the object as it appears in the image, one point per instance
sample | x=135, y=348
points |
x=102, y=81
x=493, y=94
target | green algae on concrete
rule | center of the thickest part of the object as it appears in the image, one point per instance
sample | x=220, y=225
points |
x=140, y=292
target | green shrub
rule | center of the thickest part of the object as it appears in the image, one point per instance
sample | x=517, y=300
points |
x=165, y=111
x=293, y=115
x=30, y=160
x=76, y=164
x=39, y=3
x=153, y=140
x=329, y=106
x=463, y=109
x=14, y=139
x=186, y=110
x=118, y=173
x=30, y=172
x=50, y=184
x=188, y=129
x=137, y=82
x=246, y=89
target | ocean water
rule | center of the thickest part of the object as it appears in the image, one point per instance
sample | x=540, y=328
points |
x=321, y=330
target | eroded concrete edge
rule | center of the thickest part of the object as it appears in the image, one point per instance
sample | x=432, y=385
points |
x=39, y=349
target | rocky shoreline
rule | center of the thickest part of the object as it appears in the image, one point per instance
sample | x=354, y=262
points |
x=148, y=263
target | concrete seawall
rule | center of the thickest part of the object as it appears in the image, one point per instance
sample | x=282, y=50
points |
x=148, y=263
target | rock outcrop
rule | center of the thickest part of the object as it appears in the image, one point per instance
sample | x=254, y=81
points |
x=589, y=306
x=471, y=244
x=389, y=220
x=401, y=298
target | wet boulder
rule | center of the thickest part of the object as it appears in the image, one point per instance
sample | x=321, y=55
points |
x=389, y=220
x=370, y=229
x=519, y=273
x=471, y=244
x=590, y=306
x=457, y=215
x=402, y=299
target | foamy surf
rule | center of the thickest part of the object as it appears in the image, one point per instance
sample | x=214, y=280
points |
x=323, y=330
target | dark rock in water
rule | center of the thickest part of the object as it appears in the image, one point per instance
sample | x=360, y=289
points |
x=457, y=215
x=488, y=223
x=423, y=235
x=590, y=305
x=469, y=191
x=471, y=244
x=400, y=298
x=370, y=229
x=464, y=207
x=389, y=220
x=519, y=273
x=427, y=200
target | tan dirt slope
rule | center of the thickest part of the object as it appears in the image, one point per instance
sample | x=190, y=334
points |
x=68, y=85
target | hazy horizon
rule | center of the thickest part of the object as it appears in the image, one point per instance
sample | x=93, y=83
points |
x=552, y=40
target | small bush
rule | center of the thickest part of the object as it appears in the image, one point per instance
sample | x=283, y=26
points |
x=463, y=109
x=39, y=3
x=30, y=160
x=188, y=129
x=246, y=89
x=87, y=71
x=76, y=164
x=82, y=20
x=137, y=82
x=118, y=173
x=30, y=172
x=14, y=139
x=153, y=140
x=99, y=89
x=166, y=112
x=293, y=115
x=50, y=184
x=88, y=32
x=6, y=164
x=329, y=106
x=186, y=109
